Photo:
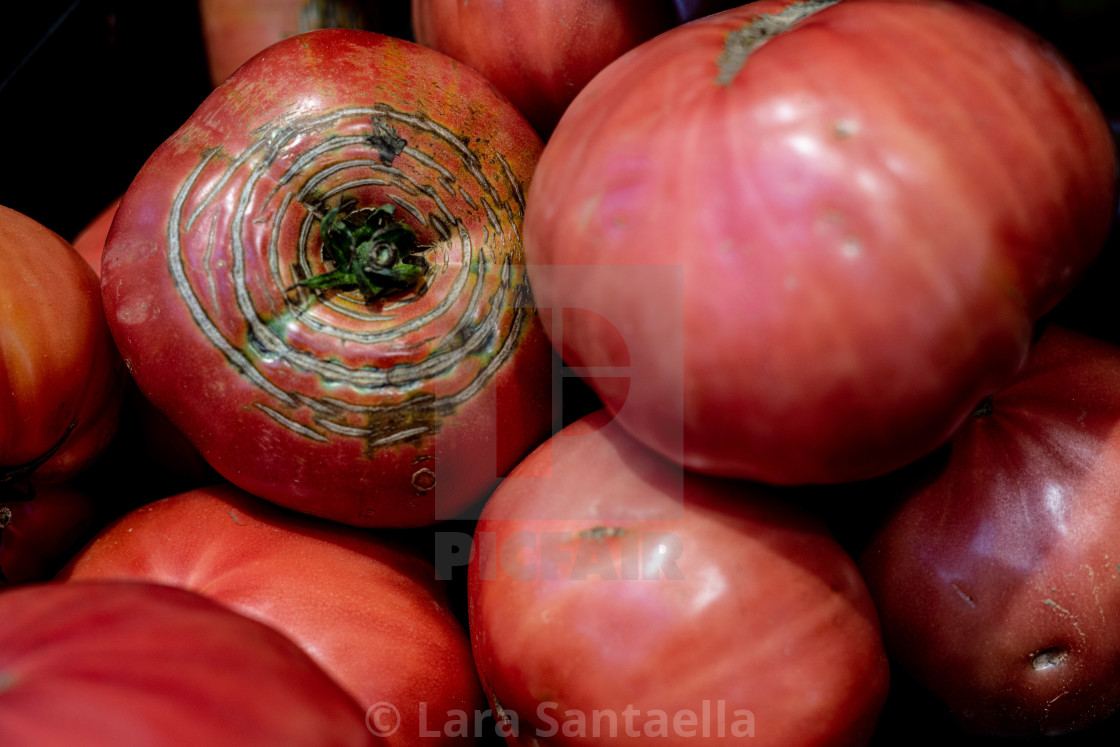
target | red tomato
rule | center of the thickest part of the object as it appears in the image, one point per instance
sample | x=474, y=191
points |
x=148, y=430
x=38, y=536
x=539, y=53
x=390, y=411
x=61, y=379
x=369, y=612
x=851, y=228
x=144, y=664
x=90, y=243
x=235, y=30
x=609, y=586
x=997, y=576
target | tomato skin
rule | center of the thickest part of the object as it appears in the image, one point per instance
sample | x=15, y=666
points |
x=104, y=663
x=44, y=532
x=235, y=30
x=865, y=221
x=393, y=414
x=996, y=571
x=539, y=53
x=153, y=434
x=61, y=379
x=765, y=612
x=369, y=612
x=90, y=241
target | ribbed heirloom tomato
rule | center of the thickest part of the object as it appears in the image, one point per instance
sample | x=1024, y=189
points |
x=61, y=379
x=319, y=279
x=115, y=663
x=370, y=612
x=867, y=204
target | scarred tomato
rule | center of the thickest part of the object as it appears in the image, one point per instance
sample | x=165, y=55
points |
x=370, y=612
x=319, y=279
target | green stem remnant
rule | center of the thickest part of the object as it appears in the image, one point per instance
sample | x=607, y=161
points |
x=378, y=256
x=741, y=42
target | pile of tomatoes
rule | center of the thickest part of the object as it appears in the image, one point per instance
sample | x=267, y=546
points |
x=580, y=372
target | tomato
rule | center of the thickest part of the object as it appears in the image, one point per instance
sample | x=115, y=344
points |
x=90, y=241
x=821, y=252
x=393, y=403
x=38, y=536
x=369, y=612
x=146, y=429
x=104, y=663
x=62, y=379
x=235, y=30
x=539, y=53
x=608, y=586
x=997, y=575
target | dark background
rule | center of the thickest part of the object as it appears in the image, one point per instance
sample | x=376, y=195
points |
x=88, y=89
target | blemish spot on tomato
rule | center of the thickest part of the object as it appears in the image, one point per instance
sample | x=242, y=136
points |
x=1049, y=659
x=601, y=533
x=423, y=480
x=136, y=311
x=844, y=128
x=851, y=248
